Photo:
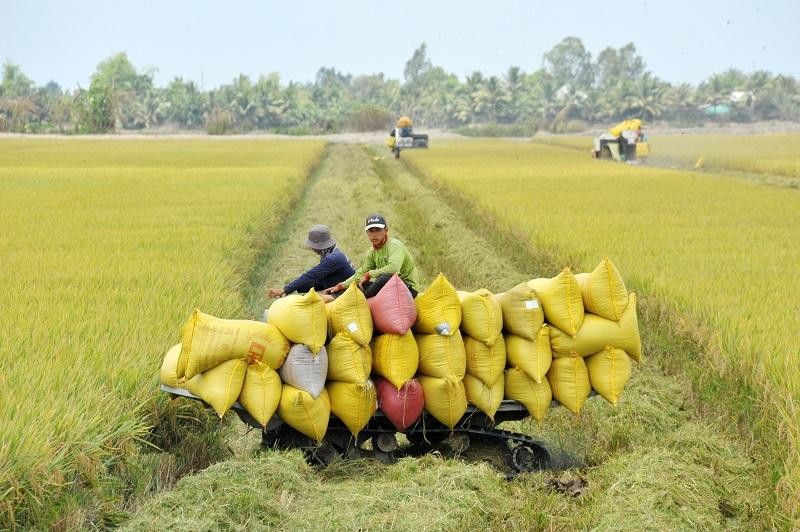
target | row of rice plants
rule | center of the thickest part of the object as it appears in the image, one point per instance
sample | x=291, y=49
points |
x=771, y=154
x=107, y=246
x=719, y=250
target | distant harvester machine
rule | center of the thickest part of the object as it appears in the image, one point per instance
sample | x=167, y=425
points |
x=625, y=142
x=403, y=137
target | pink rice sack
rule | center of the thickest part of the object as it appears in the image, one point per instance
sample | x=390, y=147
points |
x=393, y=309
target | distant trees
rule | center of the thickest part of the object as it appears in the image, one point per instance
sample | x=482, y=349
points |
x=570, y=90
x=18, y=100
x=183, y=104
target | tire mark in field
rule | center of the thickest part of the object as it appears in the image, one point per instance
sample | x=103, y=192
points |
x=443, y=233
x=341, y=194
x=449, y=236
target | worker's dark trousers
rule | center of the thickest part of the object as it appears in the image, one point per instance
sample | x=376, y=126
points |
x=373, y=286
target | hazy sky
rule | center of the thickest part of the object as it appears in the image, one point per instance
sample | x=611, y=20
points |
x=214, y=41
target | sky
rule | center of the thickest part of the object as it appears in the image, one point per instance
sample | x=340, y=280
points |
x=212, y=42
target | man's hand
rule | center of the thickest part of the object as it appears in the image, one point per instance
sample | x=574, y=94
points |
x=276, y=292
x=364, y=279
x=333, y=289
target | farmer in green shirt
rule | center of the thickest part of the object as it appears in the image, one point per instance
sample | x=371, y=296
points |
x=387, y=257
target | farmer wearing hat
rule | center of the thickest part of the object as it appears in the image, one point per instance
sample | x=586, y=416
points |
x=387, y=257
x=333, y=267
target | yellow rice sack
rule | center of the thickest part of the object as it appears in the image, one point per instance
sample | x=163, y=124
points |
x=481, y=315
x=169, y=367
x=487, y=399
x=609, y=371
x=349, y=314
x=484, y=362
x=207, y=341
x=569, y=380
x=536, y=396
x=445, y=399
x=438, y=308
x=301, y=318
x=220, y=386
x=261, y=392
x=395, y=357
x=277, y=348
x=597, y=333
x=348, y=361
x=522, y=311
x=532, y=357
x=354, y=404
x=603, y=291
x=562, y=301
x=304, y=413
x=441, y=356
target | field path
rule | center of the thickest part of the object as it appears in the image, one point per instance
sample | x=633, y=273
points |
x=355, y=180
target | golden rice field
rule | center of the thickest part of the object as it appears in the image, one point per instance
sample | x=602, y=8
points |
x=772, y=154
x=721, y=250
x=106, y=247
x=109, y=244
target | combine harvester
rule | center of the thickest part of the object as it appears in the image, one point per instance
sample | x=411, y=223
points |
x=403, y=137
x=520, y=453
x=343, y=379
x=625, y=142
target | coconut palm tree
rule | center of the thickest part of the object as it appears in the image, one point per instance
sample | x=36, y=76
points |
x=648, y=97
x=268, y=101
x=757, y=84
x=514, y=86
x=785, y=94
x=681, y=100
x=150, y=108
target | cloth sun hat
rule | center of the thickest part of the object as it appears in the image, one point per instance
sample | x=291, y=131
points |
x=375, y=220
x=319, y=237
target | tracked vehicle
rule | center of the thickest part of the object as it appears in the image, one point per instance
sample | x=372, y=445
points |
x=403, y=137
x=514, y=453
x=625, y=142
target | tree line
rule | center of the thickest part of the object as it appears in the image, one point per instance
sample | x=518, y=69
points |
x=570, y=91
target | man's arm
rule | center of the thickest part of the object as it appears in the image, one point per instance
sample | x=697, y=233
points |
x=368, y=263
x=308, y=279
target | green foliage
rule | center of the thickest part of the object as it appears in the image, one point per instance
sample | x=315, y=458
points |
x=570, y=64
x=219, y=122
x=570, y=86
x=184, y=104
x=15, y=83
x=99, y=109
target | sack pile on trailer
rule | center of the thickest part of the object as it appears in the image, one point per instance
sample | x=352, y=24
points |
x=549, y=338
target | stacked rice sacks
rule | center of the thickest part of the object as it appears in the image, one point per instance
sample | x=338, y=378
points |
x=548, y=338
